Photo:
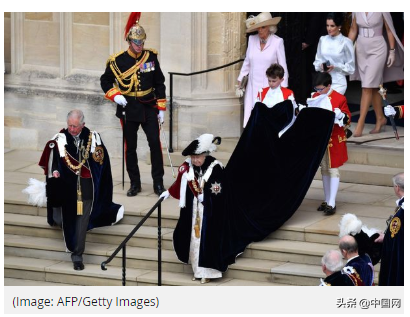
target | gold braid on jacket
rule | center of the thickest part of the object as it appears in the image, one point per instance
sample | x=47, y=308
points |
x=129, y=78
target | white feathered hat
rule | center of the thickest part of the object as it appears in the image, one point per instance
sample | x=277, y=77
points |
x=351, y=225
x=206, y=143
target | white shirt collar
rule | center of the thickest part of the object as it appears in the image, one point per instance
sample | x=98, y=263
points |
x=352, y=258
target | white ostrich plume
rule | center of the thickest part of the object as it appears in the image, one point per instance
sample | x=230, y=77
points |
x=36, y=192
x=205, y=143
x=349, y=224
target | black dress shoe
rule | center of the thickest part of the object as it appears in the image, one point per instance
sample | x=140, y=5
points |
x=159, y=189
x=322, y=206
x=329, y=210
x=134, y=190
x=78, y=266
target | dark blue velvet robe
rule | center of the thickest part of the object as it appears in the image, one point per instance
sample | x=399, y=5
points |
x=392, y=261
x=211, y=222
x=62, y=191
x=267, y=177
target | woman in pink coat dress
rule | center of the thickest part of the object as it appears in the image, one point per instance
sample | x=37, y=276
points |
x=264, y=49
x=379, y=59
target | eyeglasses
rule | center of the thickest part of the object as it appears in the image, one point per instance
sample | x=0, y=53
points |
x=319, y=89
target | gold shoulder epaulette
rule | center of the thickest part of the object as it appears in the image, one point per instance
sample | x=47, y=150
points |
x=113, y=57
x=152, y=50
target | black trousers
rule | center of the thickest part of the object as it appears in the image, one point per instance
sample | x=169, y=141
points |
x=81, y=222
x=151, y=129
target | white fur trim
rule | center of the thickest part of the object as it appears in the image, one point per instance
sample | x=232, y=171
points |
x=182, y=190
x=209, y=172
x=95, y=140
x=36, y=192
x=349, y=224
x=61, y=140
x=120, y=215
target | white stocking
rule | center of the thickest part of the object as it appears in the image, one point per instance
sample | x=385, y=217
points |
x=326, y=187
x=334, y=186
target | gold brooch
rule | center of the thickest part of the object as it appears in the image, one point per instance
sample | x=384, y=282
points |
x=395, y=226
x=98, y=154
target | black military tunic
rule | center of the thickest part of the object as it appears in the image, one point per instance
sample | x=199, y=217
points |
x=140, y=80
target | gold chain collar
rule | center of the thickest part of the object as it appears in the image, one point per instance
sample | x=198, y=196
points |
x=86, y=155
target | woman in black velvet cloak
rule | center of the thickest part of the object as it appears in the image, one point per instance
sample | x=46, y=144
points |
x=265, y=180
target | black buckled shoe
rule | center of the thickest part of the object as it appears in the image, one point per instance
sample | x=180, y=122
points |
x=329, y=210
x=78, y=266
x=322, y=206
x=134, y=190
x=159, y=189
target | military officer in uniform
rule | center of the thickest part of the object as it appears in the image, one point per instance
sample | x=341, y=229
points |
x=134, y=81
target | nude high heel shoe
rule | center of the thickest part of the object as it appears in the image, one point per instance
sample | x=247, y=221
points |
x=382, y=127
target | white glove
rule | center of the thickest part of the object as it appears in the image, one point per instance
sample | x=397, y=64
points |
x=201, y=198
x=391, y=58
x=339, y=115
x=239, y=91
x=164, y=195
x=120, y=100
x=161, y=115
x=301, y=107
x=389, y=111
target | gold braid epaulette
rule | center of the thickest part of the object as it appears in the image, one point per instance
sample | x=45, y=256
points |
x=129, y=75
x=151, y=50
x=113, y=57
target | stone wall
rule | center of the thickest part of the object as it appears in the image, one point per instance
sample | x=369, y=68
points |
x=54, y=60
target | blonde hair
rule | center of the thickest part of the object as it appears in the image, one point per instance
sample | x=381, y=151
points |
x=273, y=29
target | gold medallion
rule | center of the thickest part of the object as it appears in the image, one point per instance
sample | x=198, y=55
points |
x=98, y=154
x=395, y=226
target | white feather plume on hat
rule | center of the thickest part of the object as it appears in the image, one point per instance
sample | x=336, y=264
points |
x=205, y=143
x=349, y=224
x=36, y=192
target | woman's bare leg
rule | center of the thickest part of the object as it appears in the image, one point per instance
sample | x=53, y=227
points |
x=365, y=102
x=378, y=111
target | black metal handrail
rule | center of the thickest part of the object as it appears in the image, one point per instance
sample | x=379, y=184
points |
x=171, y=92
x=124, y=243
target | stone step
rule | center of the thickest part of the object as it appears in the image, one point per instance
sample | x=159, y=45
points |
x=375, y=156
x=358, y=154
x=37, y=226
x=366, y=174
x=302, y=274
x=49, y=272
x=137, y=257
x=372, y=204
x=8, y=281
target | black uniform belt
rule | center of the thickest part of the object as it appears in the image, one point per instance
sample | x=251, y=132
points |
x=138, y=93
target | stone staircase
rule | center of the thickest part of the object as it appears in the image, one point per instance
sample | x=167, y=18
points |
x=35, y=252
